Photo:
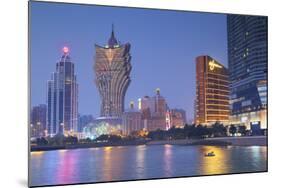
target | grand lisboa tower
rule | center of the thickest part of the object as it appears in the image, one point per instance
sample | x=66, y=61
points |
x=112, y=70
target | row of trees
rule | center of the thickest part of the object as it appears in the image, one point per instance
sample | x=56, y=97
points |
x=199, y=131
x=189, y=131
x=57, y=140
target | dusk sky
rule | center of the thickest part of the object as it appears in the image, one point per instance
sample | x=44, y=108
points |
x=164, y=45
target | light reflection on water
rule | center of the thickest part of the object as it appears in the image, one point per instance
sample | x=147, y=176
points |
x=142, y=162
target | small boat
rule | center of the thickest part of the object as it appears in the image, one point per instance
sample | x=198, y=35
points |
x=210, y=154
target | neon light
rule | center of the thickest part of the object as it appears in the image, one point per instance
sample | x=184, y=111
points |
x=212, y=65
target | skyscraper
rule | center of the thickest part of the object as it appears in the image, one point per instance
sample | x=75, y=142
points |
x=112, y=70
x=38, y=120
x=212, y=91
x=247, y=62
x=62, y=97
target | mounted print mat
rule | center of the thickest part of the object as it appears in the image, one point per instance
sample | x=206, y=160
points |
x=120, y=94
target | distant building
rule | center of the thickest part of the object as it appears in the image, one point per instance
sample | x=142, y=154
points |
x=247, y=61
x=212, y=91
x=153, y=111
x=38, y=120
x=83, y=121
x=177, y=118
x=62, y=97
x=112, y=70
x=131, y=120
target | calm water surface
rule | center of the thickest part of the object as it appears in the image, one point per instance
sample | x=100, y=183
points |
x=141, y=162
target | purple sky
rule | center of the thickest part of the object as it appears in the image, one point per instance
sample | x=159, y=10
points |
x=164, y=47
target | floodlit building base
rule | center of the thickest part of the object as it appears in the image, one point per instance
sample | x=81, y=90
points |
x=250, y=119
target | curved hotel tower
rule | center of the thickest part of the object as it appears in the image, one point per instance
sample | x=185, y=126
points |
x=112, y=69
x=212, y=91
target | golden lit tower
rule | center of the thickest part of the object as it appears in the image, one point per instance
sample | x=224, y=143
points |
x=112, y=69
x=212, y=91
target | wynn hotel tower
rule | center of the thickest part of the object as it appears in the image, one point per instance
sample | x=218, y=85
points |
x=212, y=91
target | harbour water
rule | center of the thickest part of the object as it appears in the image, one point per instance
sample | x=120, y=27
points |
x=142, y=162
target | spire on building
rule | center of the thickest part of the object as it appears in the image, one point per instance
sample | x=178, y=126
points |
x=112, y=40
x=157, y=91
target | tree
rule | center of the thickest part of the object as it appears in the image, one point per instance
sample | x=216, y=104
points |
x=198, y=131
x=70, y=140
x=157, y=135
x=232, y=129
x=189, y=130
x=218, y=130
x=242, y=129
x=42, y=141
x=102, y=137
x=176, y=133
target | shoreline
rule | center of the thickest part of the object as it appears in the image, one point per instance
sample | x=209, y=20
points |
x=87, y=145
x=217, y=141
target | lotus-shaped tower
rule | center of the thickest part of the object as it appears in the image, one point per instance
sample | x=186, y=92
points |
x=112, y=75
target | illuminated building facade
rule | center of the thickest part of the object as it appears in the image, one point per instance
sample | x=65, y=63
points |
x=212, y=91
x=177, y=118
x=96, y=129
x=154, y=111
x=62, y=98
x=247, y=62
x=112, y=70
x=38, y=119
x=131, y=120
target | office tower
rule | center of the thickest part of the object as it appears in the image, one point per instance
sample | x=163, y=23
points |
x=38, y=120
x=112, y=75
x=212, y=91
x=160, y=104
x=62, y=97
x=247, y=62
x=131, y=120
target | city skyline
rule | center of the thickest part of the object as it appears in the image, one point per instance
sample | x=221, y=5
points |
x=147, y=55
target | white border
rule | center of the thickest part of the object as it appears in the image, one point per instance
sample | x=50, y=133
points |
x=13, y=99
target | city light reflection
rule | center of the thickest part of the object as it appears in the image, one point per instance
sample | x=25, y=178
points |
x=167, y=159
x=140, y=160
x=37, y=153
x=215, y=164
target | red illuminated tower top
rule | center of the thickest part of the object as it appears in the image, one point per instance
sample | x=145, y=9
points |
x=65, y=50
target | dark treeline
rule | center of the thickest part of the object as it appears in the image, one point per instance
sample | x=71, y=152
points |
x=57, y=140
x=197, y=131
x=189, y=131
